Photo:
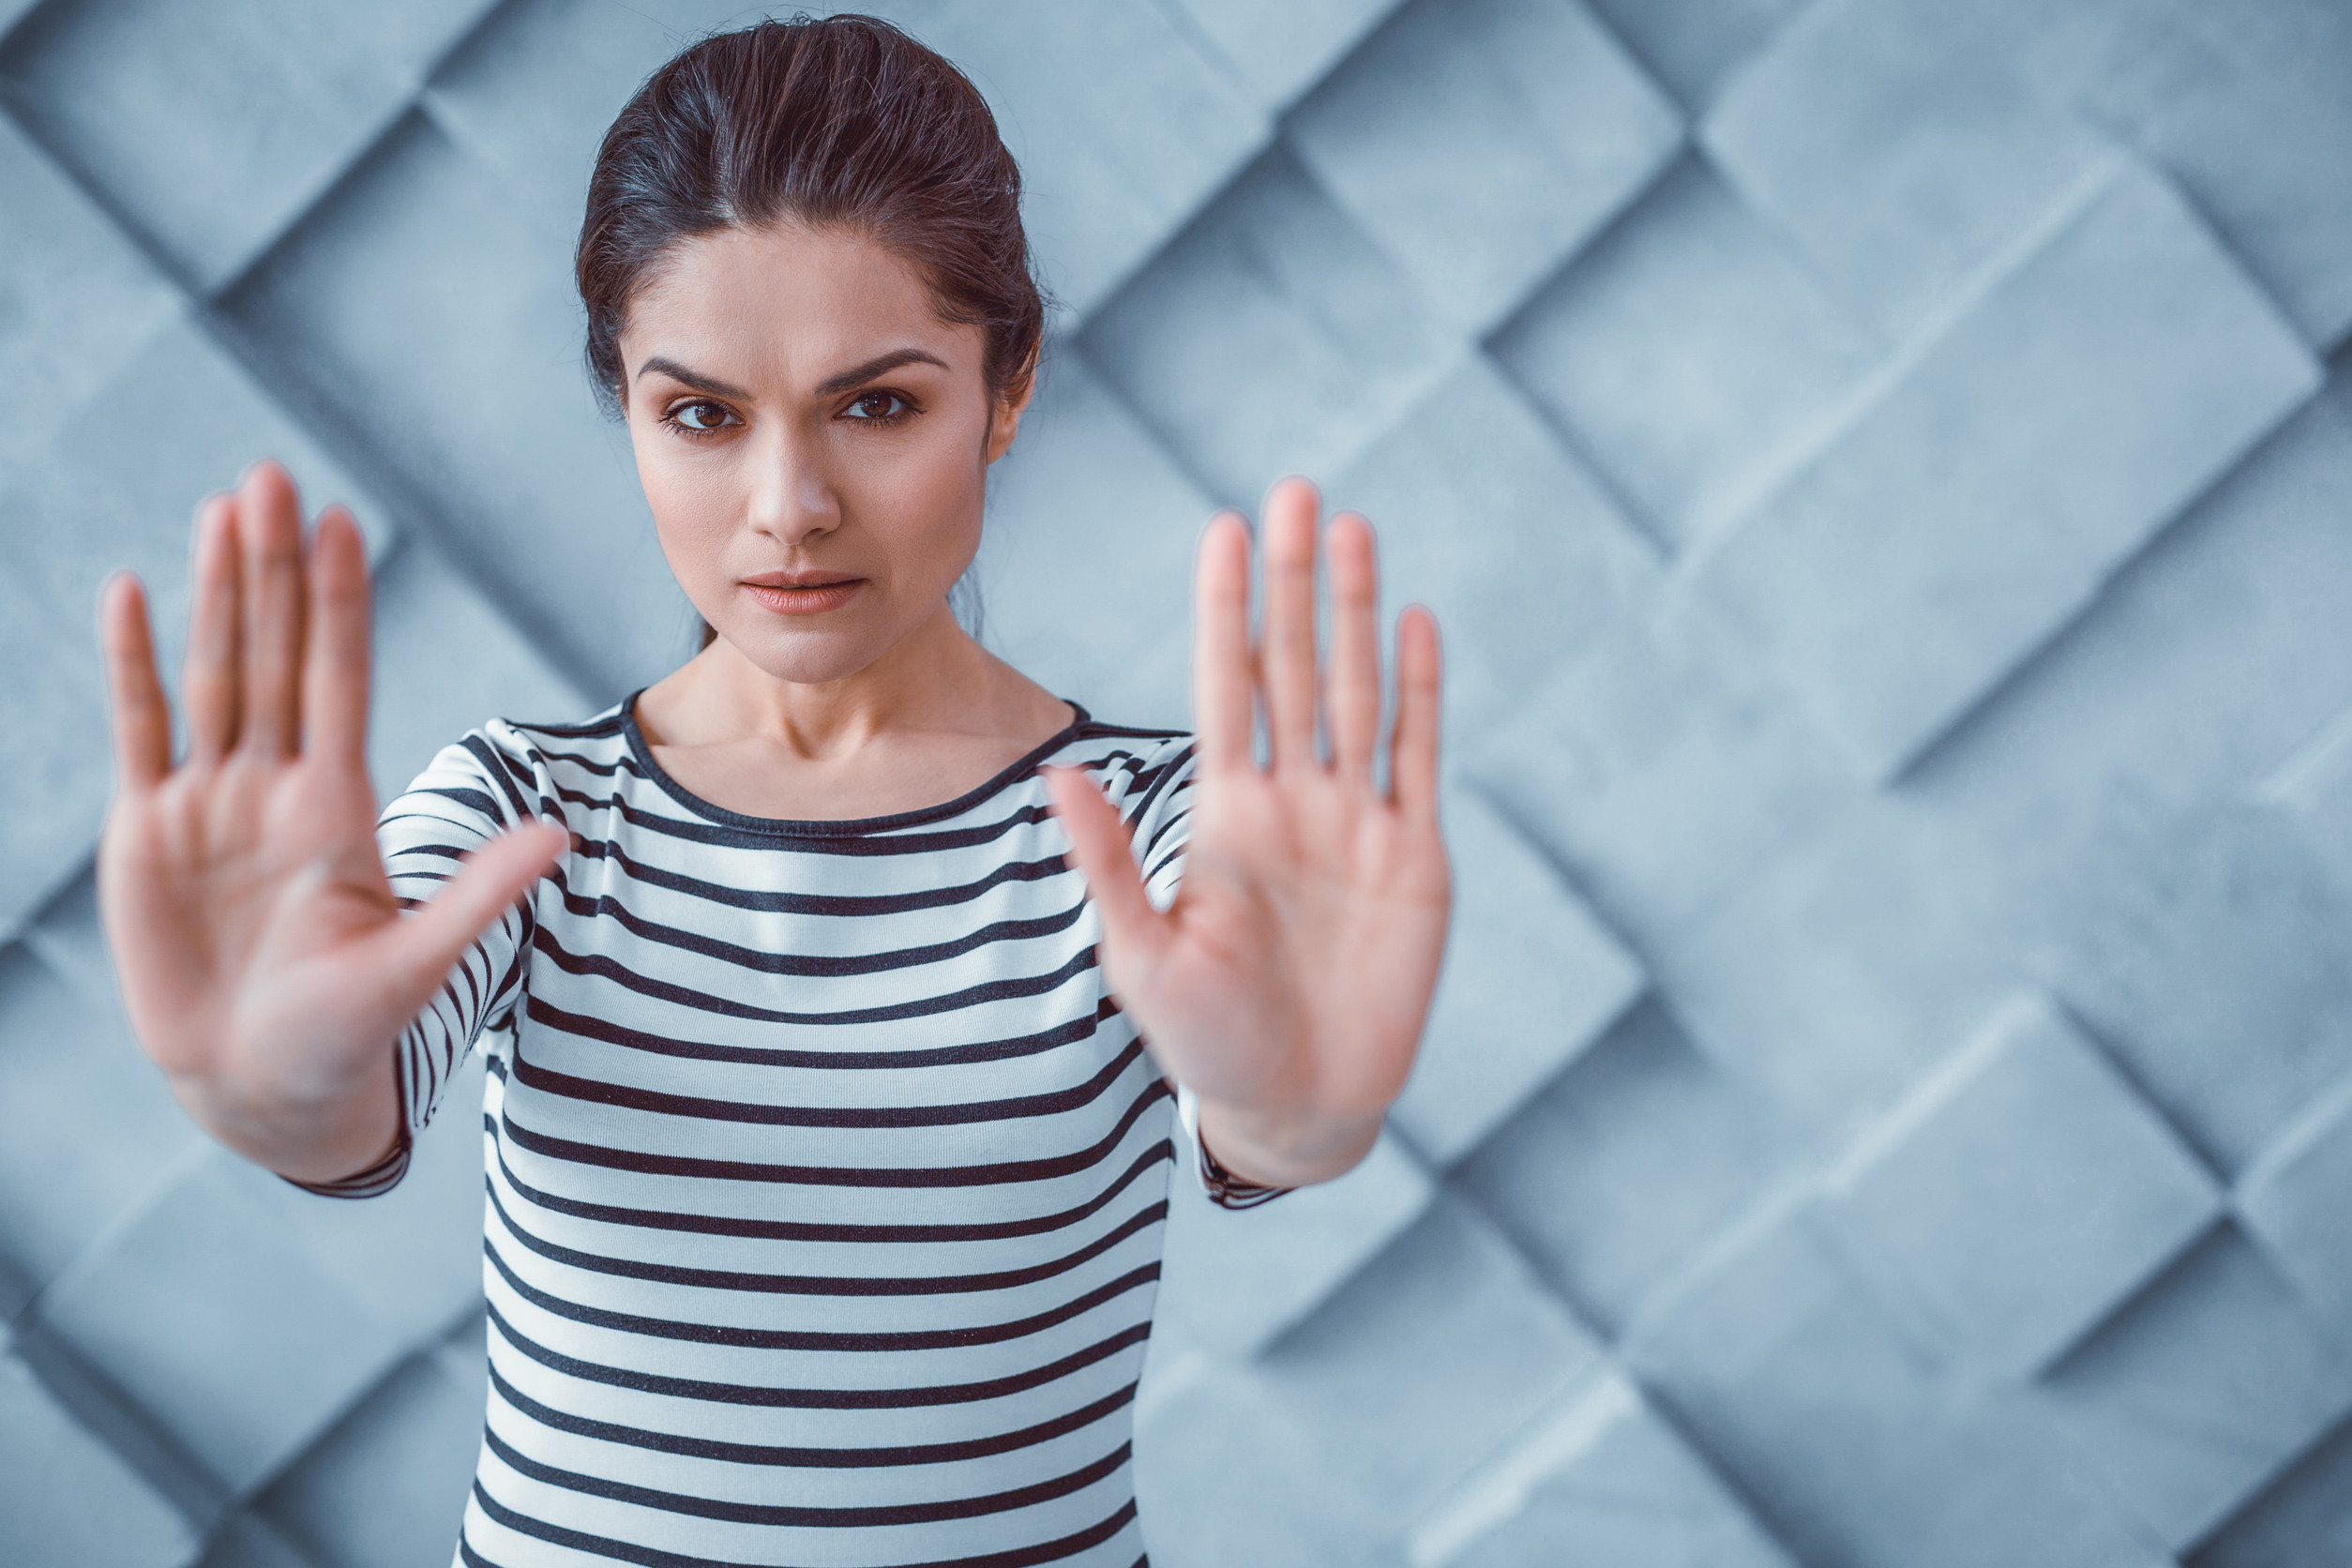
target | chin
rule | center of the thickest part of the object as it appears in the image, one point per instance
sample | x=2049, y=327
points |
x=811, y=656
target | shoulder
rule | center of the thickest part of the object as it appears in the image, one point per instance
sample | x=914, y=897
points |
x=601, y=743
x=1124, y=744
x=507, y=770
x=1145, y=772
x=1135, y=765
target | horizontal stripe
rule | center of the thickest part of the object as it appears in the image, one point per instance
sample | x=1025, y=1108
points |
x=711, y=1392
x=648, y=1556
x=599, y=1091
x=805, y=1517
x=620, y=761
x=587, y=1028
x=818, y=1339
x=832, y=905
x=810, y=1458
x=817, y=1231
x=834, y=1176
x=972, y=996
x=702, y=832
x=827, y=1285
x=815, y=965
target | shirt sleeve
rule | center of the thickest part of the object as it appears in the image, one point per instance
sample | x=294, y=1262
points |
x=1160, y=824
x=1224, y=1189
x=478, y=788
x=1158, y=810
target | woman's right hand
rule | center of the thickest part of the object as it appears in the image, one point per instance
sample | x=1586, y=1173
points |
x=263, y=956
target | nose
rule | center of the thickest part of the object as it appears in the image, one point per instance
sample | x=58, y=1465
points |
x=793, y=497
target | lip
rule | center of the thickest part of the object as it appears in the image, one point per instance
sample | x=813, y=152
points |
x=802, y=592
x=799, y=580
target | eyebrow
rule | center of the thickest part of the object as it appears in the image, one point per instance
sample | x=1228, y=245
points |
x=856, y=375
x=694, y=379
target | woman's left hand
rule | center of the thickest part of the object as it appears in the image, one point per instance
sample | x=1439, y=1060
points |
x=1288, y=983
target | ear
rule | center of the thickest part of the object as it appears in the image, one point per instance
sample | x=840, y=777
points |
x=1005, y=418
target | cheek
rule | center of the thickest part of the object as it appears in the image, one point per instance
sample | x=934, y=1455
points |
x=930, y=500
x=693, y=505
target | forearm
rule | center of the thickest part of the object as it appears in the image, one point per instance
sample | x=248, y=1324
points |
x=1286, y=1147
x=314, y=1133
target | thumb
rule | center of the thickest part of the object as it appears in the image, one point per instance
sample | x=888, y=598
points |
x=492, y=877
x=1099, y=844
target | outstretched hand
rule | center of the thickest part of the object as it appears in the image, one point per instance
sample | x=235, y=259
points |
x=262, y=956
x=1288, y=983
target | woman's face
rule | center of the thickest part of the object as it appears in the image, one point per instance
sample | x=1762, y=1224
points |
x=813, y=440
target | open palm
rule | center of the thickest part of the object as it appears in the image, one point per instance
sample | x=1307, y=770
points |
x=262, y=956
x=1288, y=982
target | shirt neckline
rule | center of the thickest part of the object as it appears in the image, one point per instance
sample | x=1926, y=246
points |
x=843, y=828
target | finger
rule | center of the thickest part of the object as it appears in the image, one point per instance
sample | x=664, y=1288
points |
x=271, y=524
x=143, y=715
x=1352, y=701
x=335, y=662
x=427, y=944
x=1221, y=683
x=1132, y=929
x=1412, y=767
x=209, y=673
x=1286, y=661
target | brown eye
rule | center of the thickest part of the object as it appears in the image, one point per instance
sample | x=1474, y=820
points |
x=878, y=405
x=701, y=418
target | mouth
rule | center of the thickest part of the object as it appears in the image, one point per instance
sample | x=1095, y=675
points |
x=802, y=592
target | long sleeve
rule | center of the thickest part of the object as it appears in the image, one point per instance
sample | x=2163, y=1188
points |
x=1160, y=824
x=478, y=788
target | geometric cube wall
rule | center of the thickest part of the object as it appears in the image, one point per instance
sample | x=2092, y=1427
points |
x=1884, y=468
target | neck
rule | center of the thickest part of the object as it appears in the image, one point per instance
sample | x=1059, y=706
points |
x=937, y=679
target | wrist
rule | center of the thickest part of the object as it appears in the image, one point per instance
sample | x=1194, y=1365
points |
x=319, y=1132
x=1287, y=1146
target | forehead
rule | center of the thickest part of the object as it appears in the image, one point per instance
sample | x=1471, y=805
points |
x=788, y=299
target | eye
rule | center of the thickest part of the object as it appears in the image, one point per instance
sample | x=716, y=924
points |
x=700, y=417
x=880, y=406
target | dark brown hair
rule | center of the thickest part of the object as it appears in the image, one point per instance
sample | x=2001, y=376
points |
x=844, y=122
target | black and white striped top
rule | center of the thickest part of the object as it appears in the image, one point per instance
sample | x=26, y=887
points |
x=827, y=1183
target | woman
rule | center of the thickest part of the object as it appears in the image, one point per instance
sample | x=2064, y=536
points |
x=827, y=1166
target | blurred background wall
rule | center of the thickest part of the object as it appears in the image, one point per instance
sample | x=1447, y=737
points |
x=1885, y=468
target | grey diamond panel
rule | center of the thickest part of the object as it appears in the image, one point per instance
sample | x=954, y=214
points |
x=1884, y=470
x=208, y=127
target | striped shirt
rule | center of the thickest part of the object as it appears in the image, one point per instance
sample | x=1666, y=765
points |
x=826, y=1181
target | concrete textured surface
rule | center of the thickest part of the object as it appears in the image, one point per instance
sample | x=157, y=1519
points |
x=1885, y=468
